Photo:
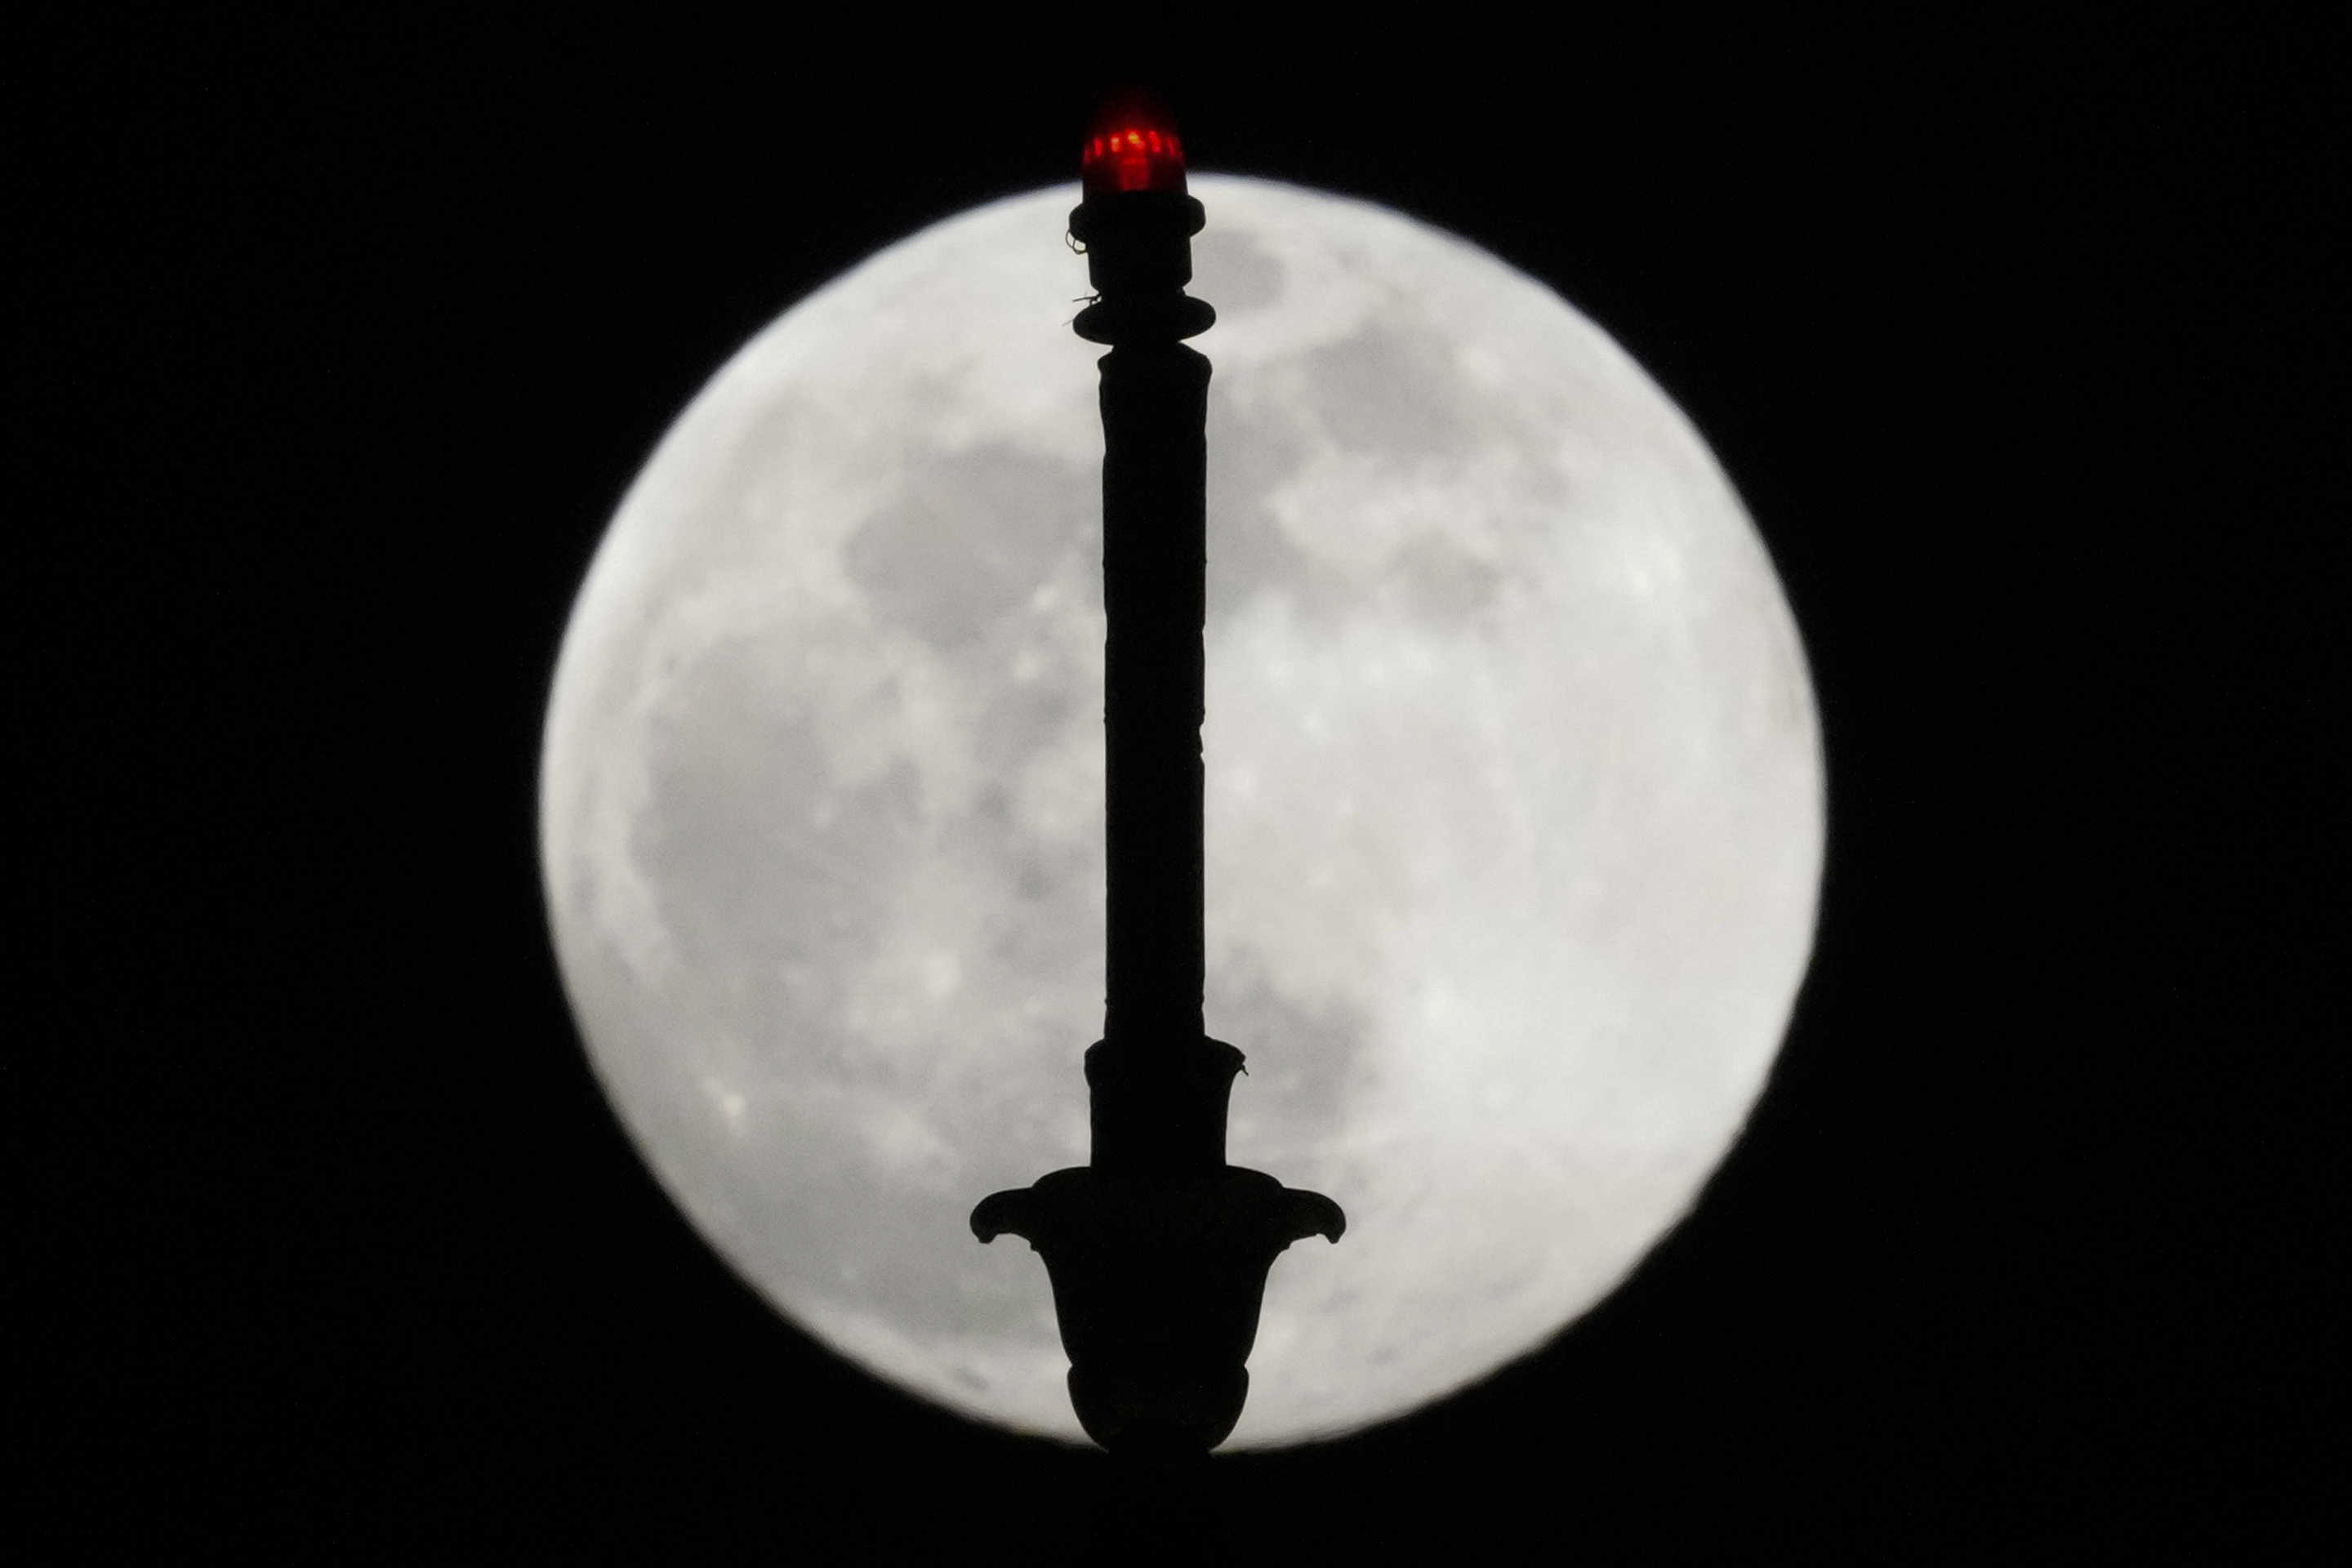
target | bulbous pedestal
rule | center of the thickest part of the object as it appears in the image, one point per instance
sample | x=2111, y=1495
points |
x=1157, y=1281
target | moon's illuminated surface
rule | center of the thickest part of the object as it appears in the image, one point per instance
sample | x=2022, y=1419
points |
x=1515, y=817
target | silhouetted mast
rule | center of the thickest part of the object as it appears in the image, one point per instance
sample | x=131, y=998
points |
x=1158, y=1250
x=1160, y=1084
x=1136, y=224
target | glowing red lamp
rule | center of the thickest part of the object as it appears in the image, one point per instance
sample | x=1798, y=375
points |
x=1133, y=148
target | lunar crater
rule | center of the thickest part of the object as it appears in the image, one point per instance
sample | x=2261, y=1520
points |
x=970, y=538
x=1389, y=393
x=1235, y=273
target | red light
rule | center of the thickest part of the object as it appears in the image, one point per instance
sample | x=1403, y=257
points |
x=1134, y=148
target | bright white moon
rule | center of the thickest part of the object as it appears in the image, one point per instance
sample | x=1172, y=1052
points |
x=1514, y=811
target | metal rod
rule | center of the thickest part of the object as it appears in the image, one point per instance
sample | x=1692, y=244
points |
x=1155, y=547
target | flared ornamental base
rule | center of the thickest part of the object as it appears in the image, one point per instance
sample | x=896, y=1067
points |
x=1158, y=1282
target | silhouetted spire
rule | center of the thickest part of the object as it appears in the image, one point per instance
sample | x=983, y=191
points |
x=1158, y=1250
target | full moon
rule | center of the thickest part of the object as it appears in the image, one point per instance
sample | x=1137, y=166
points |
x=1515, y=799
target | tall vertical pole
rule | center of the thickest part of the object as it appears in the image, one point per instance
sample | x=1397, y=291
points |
x=1155, y=398
x=1158, y=1250
x=1158, y=1084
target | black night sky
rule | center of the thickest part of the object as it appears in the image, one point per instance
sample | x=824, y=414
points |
x=339, y=344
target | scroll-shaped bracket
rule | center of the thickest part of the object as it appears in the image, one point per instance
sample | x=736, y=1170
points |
x=1158, y=1281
